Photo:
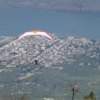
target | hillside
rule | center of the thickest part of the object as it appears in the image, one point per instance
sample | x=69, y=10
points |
x=65, y=60
x=48, y=53
x=51, y=4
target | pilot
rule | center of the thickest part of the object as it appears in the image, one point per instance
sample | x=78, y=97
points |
x=36, y=62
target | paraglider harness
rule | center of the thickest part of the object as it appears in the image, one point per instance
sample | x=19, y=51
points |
x=36, y=62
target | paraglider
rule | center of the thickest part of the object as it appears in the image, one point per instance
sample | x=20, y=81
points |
x=36, y=32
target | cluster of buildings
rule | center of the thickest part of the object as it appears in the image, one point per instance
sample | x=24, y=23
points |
x=48, y=53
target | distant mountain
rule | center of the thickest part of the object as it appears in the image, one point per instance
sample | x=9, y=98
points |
x=75, y=5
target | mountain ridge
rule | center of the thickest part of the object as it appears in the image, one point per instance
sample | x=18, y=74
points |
x=74, y=5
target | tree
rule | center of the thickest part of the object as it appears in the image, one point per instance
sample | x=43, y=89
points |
x=91, y=96
x=73, y=89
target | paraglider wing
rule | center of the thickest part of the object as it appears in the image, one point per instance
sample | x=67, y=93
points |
x=36, y=32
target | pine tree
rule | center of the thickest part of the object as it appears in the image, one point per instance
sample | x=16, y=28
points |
x=91, y=96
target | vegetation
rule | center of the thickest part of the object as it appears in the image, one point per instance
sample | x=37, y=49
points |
x=91, y=96
x=73, y=89
x=8, y=95
x=51, y=82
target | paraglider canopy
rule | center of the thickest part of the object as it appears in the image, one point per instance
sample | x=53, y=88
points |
x=36, y=32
